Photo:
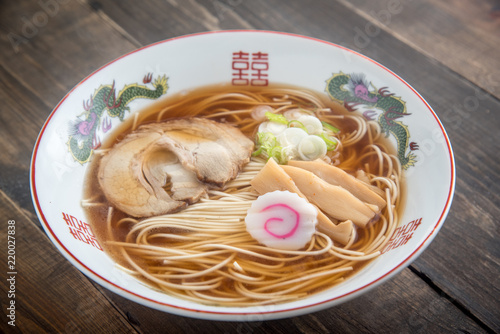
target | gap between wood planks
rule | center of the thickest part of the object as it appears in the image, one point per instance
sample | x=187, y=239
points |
x=29, y=219
x=462, y=308
x=28, y=215
x=452, y=300
x=367, y=17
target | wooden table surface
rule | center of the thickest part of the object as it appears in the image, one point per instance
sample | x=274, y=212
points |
x=448, y=50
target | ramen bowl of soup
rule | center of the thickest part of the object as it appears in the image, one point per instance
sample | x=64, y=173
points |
x=242, y=175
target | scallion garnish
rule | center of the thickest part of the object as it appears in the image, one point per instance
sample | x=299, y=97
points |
x=296, y=124
x=330, y=127
x=331, y=142
x=276, y=118
x=307, y=138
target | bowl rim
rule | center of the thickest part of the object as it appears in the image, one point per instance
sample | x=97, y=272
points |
x=224, y=315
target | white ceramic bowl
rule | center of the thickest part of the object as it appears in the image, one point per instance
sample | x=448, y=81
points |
x=223, y=57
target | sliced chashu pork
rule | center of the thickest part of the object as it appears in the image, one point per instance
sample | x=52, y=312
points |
x=160, y=164
x=124, y=182
x=196, y=140
x=182, y=153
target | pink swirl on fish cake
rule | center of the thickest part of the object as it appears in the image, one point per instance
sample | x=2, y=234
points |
x=288, y=234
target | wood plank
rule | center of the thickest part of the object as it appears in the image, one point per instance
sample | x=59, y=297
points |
x=37, y=68
x=466, y=112
x=405, y=304
x=34, y=76
x=50, y=294
x=50, y=50
x=463, y=35
x=18, y=116
x=80, y=38
x=146, y=28
x=463, y=108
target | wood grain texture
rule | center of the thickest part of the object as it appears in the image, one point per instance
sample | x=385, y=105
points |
x=50, y=294
x=462, y=107
x=51, y=58
x=452, y=287
x=460, y=34
x=37, y=68
x=386, y=309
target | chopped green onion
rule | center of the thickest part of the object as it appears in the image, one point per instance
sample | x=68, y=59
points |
x=291, y=137
x=258, y=152
x=276, y=118
x=267, y=143
x=296, y=124
x=266, y=139
x=306, y=137
x=312, y=124
x=277, y=154
x=331, y=142
x=330, y=127
x=312, y=147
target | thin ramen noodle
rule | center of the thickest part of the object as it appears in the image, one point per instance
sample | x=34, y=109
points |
x=204, y=253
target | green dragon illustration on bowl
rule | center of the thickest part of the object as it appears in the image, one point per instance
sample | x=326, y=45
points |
x=83, y=133
x=352, y=90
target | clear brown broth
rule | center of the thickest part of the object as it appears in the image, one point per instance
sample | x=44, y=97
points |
x=97, y=215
